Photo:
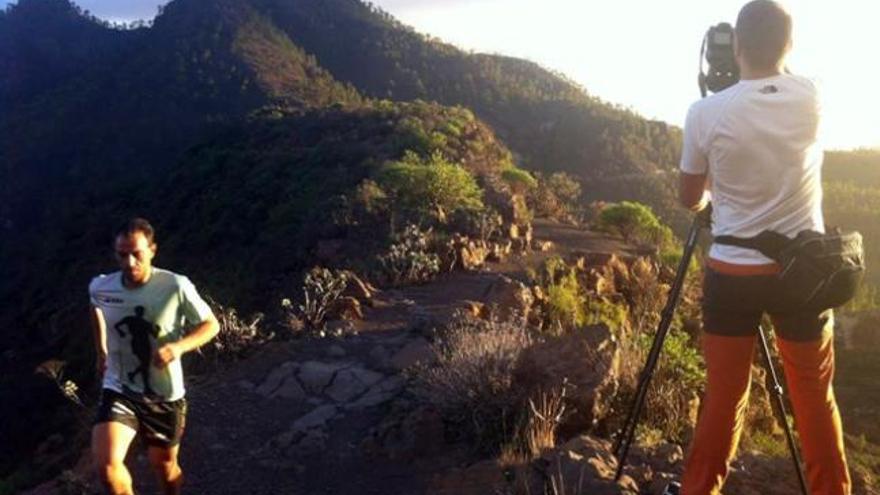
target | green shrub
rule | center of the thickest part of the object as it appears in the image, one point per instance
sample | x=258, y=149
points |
x=556, y=196
x=601, y=310
x=519, y=180
x=633, y=221
x=563, y=307
x=421, y=189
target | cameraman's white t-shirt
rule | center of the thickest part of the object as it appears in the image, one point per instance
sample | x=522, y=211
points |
x=759, y=143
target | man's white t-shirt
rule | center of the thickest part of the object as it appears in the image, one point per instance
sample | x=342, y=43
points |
x=758, y=141
x=138, y=322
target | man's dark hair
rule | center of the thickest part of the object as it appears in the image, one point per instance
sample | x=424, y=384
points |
x=136, y=225
x=763, y=32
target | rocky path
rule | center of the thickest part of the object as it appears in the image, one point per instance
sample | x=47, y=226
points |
x=334, y=415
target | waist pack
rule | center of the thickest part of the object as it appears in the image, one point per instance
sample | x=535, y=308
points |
x=819, y=271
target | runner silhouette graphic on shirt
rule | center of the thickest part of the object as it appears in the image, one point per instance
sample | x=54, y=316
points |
x=140, y=330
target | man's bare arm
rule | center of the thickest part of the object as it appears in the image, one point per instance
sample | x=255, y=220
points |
x=692, y=191
x=197, y=337
x=99, y=330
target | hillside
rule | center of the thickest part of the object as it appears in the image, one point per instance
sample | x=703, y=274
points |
x=267, y=137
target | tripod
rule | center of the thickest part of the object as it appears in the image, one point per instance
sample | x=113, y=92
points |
x=627, y=432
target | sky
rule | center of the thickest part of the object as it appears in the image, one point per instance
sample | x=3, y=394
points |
x=644, y=54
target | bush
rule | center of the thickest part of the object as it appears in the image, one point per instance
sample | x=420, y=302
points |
x=471, y=383
x=556, y=196
x=484, y=224
x=237, y=337
x=409, y=259
x=677, y=382
x=321, y=288
x=428, y=189
x=519, y=180
x=634, y=222
x=564, y=300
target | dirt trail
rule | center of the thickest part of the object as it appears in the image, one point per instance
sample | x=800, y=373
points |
x=297, y=417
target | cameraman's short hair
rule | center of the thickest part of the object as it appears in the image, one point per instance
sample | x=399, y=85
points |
x=135, y=225
x=763, y=32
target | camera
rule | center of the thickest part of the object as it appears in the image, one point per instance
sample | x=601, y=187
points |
x=718, y=52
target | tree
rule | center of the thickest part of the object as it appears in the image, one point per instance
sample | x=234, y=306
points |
x=633, y=221
x=429, y=188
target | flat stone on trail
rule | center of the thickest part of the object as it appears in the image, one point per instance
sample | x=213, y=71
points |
x=379, y=393
x=276, y=378
x=352, y=382
x=290, y=389
x=315, y=375
x=335, y=351
x=416, y=351
x=316, y=418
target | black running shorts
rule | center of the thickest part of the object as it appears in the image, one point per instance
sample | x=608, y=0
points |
x=733, y=306
x=159, y=423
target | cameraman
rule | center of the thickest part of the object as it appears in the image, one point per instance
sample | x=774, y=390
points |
x=758, y=140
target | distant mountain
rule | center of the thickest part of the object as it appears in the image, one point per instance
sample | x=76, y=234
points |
x=551, y=122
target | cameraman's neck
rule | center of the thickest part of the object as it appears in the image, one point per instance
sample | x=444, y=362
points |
x=748, y=73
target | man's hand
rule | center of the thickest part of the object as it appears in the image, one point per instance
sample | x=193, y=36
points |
x=166, y=354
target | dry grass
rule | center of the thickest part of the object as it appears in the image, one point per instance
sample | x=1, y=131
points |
x=472, y=382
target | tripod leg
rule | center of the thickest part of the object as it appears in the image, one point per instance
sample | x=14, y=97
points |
x=627, y=432
x=780, y=404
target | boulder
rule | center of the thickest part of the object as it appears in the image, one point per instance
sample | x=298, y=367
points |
x=290, y=390
x=587, y=360
x=350, y=383
x=358, y=289
x=345, y=308
x=416, y=351
x=477, y=479
x=317, y=418
x=507, y=298
x=315, y=375
x=587, y=463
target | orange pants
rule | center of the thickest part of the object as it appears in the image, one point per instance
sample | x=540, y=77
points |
x=809, y=369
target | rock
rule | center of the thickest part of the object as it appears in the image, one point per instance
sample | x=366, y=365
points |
x=350, y=383
x=507, y=298
x=358, y=289
x=474, y=309
x=316, y=418
x=419, y=434
x=417, y=351
x=313, y=442
x=315, y=375
x=499, y=251
x=478, y=479
x=345, y=308
x=544, y=246
x=335, y=350
x=379, y=393
x=587, y=462
x=588, y=358
x=379, y=357
x=290, y=390
x=340, y=328
x=275, y=379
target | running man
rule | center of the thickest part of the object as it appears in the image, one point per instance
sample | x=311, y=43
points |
x=156, y=317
